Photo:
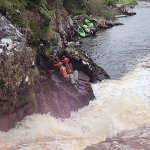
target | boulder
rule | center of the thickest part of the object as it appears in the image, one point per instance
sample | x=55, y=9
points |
x=135, y=139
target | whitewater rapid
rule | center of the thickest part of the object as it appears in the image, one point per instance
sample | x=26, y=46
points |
x=119, y=105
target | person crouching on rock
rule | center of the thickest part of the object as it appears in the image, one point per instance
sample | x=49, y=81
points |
x=55, y=60
x=67, y=72
x=55, y=56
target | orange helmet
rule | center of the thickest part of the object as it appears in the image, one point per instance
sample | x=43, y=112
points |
x=65, y=60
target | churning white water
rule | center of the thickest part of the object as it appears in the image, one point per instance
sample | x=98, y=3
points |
x=119, y=104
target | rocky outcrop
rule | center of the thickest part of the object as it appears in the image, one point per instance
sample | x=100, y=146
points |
x=24, y=91
x=105, y=24
x=84, y=63
x=124, y=9
x=16, y=60
x=136, y=139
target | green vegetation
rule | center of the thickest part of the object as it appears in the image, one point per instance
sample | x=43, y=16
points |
x=33, y=15
x=75, y=7
x=130, y=3
x=36, y=15
x=99, y=9
x=108, y=14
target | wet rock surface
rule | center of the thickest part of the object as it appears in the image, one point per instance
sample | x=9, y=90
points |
x=135, y=139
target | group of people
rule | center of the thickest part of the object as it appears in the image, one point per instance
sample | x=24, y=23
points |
x=63, y=66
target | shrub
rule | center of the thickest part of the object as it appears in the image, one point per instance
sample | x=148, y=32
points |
x=130, y=3
x=75, y=7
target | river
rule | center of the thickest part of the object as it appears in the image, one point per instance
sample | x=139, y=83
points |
x=118, y=49
x=120, y=104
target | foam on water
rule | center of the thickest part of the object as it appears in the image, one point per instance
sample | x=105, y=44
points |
x=119, y=105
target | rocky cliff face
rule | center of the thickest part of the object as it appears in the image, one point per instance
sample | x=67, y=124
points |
x=137, y=139
x=23, y=91
x=16, y=60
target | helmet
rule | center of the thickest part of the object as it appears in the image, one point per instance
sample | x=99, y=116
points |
x=65, y=60
x=55, y=51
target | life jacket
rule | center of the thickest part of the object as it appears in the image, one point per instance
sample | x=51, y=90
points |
x=63, y=71
x=66, y=70
x=69, y=68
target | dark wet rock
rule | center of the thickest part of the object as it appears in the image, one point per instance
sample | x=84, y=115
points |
x=135, y=139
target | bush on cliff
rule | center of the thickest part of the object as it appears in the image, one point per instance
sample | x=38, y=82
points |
x=75, y=7
x=130, y=3
x=100, y=9
x=32, y=15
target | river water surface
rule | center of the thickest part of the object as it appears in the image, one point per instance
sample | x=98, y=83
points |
x=119, y=105
x=118, y=49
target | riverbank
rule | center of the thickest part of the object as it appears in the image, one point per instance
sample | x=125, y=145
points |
x=119, y=55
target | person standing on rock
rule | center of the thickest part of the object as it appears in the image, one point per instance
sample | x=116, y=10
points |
x=67, y=72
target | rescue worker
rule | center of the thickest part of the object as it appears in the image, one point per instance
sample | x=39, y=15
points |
x=67, y=72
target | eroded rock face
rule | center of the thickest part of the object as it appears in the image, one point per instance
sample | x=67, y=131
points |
x=16, y=60
x=23, y=91
x=136, y=139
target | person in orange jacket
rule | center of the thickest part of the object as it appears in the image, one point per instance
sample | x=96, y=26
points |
x=67, y=72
